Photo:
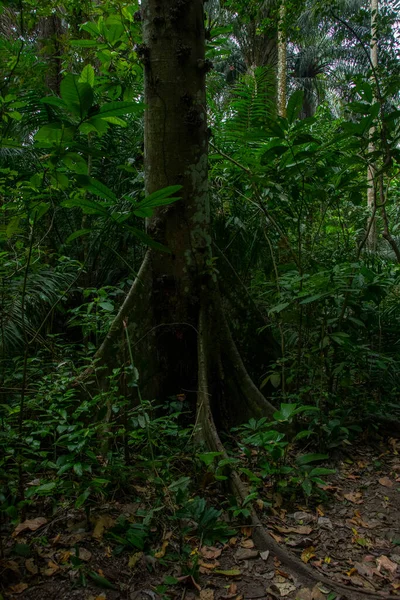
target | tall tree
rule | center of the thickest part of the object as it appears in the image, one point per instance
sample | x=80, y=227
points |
x=371, y=192
x=173, y=314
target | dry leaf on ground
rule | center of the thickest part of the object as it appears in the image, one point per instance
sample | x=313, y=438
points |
x=161, y=552
x=19, y=588
x=30, y=524
x=210, y=552
x=247, y=544
x=386, y=482
x=384, y=562
x=31, y=567
x=308, y=554
x=102, y=523
x=283, y=588
x=301, y=529
x=207, y=594
x=354, y=497
x=134, y=559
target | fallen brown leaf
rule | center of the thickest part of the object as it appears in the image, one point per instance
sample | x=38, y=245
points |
x=354, y=497
x=247, y=544
x=52, y=568
x=386, y=482
x=207, y=594
x=383, y=562
x=301, y=529
x=31, y=567
x=210, y=552
x=308, y=554
x=31, y=524
x=19, y=588
x=102, y=523
x=163, y=549
x=134, y=559
x=247, y=531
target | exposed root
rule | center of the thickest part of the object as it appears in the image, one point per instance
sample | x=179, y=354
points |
x=208, y=434
x=140, y=289
x=257, y=403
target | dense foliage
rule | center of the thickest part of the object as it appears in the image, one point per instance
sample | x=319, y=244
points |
x=291, y=239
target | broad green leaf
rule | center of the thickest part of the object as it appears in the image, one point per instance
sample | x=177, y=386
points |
x=117, y=109
x=208, y=457
x=82, y=498
x=89, y=207
x=101, y=581
x=146, y=239
x=96, y=187
x=309, y=458
x=77, y=96
x=84, y=43
x=115, y=121
x=76, y=235
x=87, y=75
x=78, y=469
x=94, y=124
x=307, y=487
x=46, y=488
x=55, y=133
x=321, y=471
x=76, y=163
x=108, y=306
x=286, y=411
x=54, y=101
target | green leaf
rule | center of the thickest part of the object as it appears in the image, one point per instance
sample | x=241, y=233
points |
x=89, y=207
x=208, y=457
x=115, y=121
x=108, y=306
x=321, y=471
x=229, y=573
x=307, y=487
x=22, y=550
x=84, y=43
x=55, y=133
x=279, y=307
x=54, y=101
x=96, y=187
x=87, y=75
x=309, y=458
x=76, y=163
x=294, y=106
x=286, y=412
x=45, y=489
x=117, y=109
x=77, y=96
x=78, y=469
x=169, y=580
x=101, y=581
x=146, y=239
x=82, y=498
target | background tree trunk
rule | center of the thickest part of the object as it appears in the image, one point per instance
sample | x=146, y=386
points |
x=371, y=192
x=282, y=61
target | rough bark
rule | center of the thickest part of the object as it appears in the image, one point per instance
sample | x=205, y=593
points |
x=371, y=171
x=282, y=60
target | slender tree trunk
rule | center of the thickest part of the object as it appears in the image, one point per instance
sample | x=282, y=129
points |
x=50, y=45
x=282, y=61
x=371, y=192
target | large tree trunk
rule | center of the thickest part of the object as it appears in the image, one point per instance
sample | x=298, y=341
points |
x=161, y=313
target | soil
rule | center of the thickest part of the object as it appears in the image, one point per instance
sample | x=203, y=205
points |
x=352, y=536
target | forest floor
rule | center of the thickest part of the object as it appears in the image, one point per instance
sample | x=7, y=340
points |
x=353, y=537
